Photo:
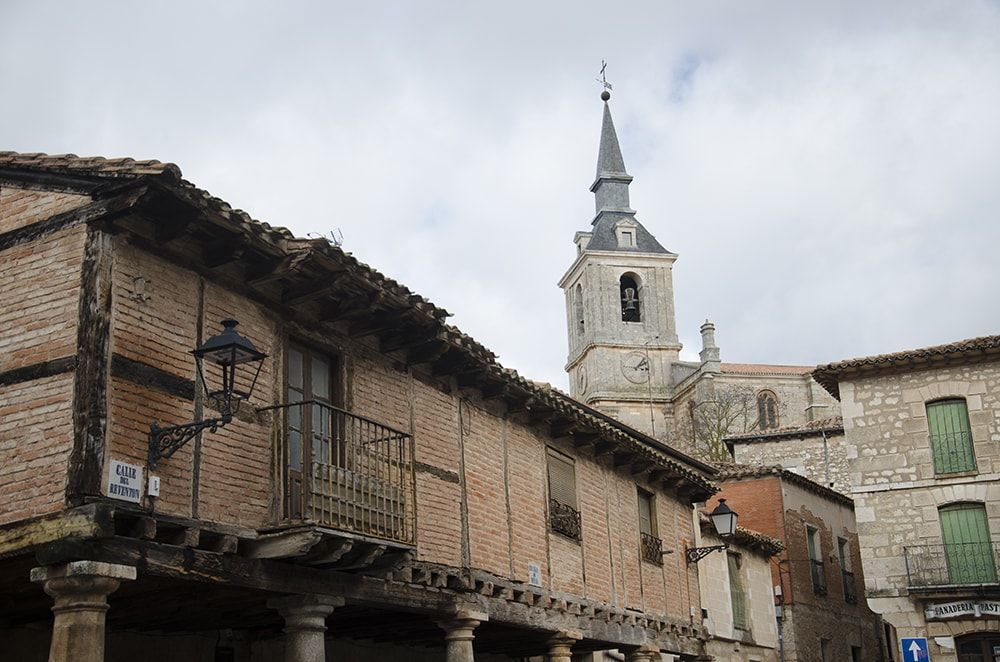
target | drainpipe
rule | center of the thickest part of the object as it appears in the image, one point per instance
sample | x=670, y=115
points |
x=826, y=460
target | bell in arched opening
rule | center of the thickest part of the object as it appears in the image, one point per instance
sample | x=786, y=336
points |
x=631, y=311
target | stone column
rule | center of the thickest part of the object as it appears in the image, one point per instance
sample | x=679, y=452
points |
x=561, y=646
x=644, y=653
x=458, y=634
x=80, y=590
x=305, y=624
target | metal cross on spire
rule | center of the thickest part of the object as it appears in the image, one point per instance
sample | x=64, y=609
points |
x=603, y=80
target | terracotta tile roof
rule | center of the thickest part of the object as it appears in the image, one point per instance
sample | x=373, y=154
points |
x=735, y=471
x=746, y=538
x=765, y=369
x=970, y=349
x=87, y=165
x=832, y=425
x=293, y=248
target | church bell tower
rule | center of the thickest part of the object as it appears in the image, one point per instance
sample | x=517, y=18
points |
x=620, y=303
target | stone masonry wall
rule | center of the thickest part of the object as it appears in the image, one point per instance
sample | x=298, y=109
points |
x=896, y=491
x=804, y=455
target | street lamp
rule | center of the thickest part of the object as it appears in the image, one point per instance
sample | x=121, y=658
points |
x=724, y=519
x=226, y=350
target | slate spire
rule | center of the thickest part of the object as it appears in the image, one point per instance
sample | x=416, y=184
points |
x=611, y=199
x=610, y=187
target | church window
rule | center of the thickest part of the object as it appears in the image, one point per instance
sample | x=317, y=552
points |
x=628, y=239
x=578, y=308
x=629, y=286
x=767, y=410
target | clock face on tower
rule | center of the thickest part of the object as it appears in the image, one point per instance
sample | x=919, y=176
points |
x=635, y=367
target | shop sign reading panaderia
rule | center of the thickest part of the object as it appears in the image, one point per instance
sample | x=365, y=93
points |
x=973, y=608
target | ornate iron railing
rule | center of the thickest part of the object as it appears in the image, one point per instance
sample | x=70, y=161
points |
x=818, y=573
x=651, y=548
x=953, y=452
x=850, y=588
x=564, y=519
x=347, y=472
x=952, y=565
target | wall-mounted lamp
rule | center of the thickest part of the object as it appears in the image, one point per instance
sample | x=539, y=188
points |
x=724, y=520
x=226, y=350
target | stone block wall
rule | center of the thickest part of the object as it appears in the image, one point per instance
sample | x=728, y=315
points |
x=823, y=462
x=896, y=491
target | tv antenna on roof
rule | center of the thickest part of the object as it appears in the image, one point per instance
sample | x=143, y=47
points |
x=336, y=236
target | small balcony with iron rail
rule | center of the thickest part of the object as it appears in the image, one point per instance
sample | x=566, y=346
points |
x=955, y=566
x=348, y=482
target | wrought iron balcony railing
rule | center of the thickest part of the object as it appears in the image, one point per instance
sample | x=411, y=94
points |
x=850, y=588
x=953, y=452
x=818, y=573
x=960, y=564
x=347, y=472
x=564, y=519
x=651, y=548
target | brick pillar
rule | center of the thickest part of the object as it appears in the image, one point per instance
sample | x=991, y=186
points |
x=80, y=590
x=305, y=624
x=561, y=646
x=644, y=653
x=458, y=635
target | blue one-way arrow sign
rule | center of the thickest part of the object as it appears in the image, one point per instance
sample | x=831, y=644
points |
x=915, y=650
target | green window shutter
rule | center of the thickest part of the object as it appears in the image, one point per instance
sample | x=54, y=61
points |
x=737, y=594
x=968, y=551
x=950, y=436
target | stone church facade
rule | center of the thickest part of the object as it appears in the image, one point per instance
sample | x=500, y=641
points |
x=624, y=351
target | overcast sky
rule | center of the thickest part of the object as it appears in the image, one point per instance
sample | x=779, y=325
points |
x=829, y=172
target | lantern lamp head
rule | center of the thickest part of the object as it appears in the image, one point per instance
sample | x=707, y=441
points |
x=228, y=350
x=229, y=347
x=724, y=518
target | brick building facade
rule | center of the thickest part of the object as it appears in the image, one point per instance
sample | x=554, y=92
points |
x=822, y=613
x=386, y=479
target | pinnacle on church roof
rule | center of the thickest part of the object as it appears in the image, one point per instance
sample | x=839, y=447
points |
x=609, y=158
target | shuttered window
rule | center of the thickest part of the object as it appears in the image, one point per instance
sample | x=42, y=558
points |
x=950, y=436
x=562, y=479
x=737, y=593
x=965, y=531
x=647, y=513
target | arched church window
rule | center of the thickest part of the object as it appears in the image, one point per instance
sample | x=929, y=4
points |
x=767, y=410
x=629, y=285
x=578, y=308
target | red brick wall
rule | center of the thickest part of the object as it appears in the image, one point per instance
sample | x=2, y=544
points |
x=39, y=308
x=40, y=294
x=20, y=207
x=36, y=434
x=760, y=506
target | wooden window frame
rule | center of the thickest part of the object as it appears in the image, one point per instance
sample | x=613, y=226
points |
x=952, y=452
x=296, y=480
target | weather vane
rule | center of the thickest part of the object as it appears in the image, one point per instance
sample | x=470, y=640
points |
x=603, y=80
